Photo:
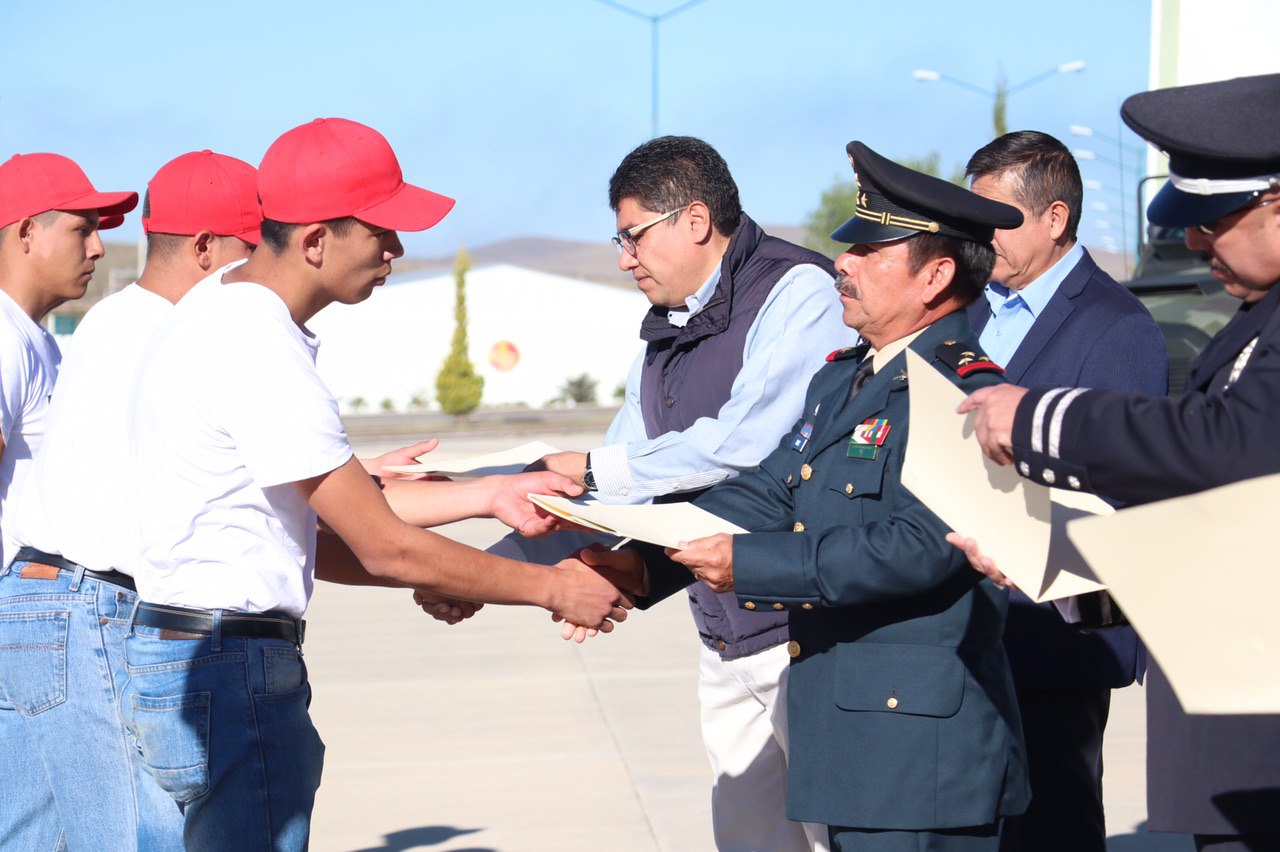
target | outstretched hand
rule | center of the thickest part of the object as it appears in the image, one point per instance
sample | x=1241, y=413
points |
x=995, y=408
x=403, y=456
x=510, y=503
x=980, y=563
x=448, y=610
x=622, y=568
x=710, y=559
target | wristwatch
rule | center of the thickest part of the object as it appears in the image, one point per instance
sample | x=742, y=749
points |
x=588, y=477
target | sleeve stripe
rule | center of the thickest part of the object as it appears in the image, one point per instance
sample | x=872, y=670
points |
x=1037, y=421
x=1055, y=428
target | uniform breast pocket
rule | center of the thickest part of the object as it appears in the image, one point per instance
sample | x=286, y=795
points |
x=915, y=680
x=858, y=478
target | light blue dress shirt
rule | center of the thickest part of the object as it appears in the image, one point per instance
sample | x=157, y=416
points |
x=1014, y=311
x=799, y=323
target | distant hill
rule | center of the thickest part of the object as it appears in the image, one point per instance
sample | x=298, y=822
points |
x=587, y=261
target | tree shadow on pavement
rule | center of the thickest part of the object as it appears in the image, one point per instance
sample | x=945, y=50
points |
x=419, y=838
x=1142, y=840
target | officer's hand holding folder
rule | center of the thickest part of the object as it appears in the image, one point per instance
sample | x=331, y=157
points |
x=1020, y=524
x=1197, y=586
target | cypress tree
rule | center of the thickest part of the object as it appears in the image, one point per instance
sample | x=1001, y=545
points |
x=458, y=386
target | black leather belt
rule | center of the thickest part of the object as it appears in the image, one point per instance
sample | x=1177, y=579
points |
x=39, y=557
x=254, y=625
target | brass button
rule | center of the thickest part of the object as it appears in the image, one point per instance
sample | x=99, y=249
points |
x=797, y=527
x=806, y=606
x=805, y=472
x=892, y=703
x=721, y=645
x=848, y=488
x=779, y=606
x=749, y=605
x=793, y=648
x=790, y=478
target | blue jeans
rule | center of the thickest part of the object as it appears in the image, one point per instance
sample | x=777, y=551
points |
x=223, y=726
x=71, y=773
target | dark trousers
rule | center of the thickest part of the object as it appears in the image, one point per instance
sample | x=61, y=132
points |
x=1063, y=730
x=1237, y=842
x=981, y=838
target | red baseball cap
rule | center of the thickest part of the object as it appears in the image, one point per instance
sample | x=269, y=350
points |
x=331, y=168
x=31, y=184
x=204, y=191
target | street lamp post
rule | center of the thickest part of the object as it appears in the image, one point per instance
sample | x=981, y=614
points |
x=928, y=76
x=654, y=21
x=1120, y=164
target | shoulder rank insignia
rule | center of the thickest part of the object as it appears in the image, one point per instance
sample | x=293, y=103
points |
x=964, y=361
x=849, y=352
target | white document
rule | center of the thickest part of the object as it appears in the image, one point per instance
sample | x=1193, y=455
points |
x=1198, y=577
x=1020, y=524
x=663, y=524
x=474, y=467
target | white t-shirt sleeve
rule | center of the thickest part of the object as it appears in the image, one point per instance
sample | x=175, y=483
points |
x=15, y=376
x=275, y=407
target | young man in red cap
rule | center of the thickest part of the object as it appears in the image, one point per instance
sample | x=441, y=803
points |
x=237, y=447
x=72, y=530
x=49, y=219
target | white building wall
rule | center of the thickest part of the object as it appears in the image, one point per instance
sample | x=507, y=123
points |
x=393, y=344
x=1200, y=41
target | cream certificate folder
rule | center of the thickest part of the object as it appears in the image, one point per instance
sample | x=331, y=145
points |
x=474, y=467
x=1199, y=579
x=1020, y=524
x=663, y=524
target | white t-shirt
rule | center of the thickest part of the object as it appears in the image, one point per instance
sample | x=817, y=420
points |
x=71, y=501
x=29, y=359
x=227, y=412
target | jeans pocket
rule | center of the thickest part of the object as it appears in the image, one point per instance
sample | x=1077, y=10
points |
x=173, y=733
x=283, y=671
x=33, y=659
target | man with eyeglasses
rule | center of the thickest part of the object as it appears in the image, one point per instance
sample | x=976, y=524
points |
x=1217, y=777
x=740, y=322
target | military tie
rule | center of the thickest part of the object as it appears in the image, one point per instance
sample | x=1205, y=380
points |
x=861, y=376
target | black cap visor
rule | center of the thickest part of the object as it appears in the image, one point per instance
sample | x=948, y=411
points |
x=860, y=231
x=1173, y=208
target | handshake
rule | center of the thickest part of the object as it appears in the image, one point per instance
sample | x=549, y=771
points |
x=590, y=590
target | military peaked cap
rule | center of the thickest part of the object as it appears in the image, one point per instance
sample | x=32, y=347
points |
x=1222, y=140
x=896, y=202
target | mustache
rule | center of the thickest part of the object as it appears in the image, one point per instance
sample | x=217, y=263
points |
x=845, y=287
x=1214, y=263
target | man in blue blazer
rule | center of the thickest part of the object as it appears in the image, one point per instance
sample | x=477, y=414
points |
x=1052, y=318
x=903, y=724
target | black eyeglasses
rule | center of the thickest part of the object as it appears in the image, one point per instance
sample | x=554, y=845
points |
x=1211, y=229
x=626, y=239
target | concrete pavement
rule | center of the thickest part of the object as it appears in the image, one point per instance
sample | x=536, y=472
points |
x=495, y=734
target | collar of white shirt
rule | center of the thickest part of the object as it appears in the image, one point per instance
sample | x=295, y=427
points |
x=1038, y=293
x=880, y=357
x=696, y=302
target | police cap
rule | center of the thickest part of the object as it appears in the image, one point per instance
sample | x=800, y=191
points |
x=896, y=202
x=1222, y=140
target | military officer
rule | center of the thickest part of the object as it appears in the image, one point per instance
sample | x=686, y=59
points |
x=1217, y=777
x=903, y=723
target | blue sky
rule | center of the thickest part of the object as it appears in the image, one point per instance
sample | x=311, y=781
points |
x=521, y=110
